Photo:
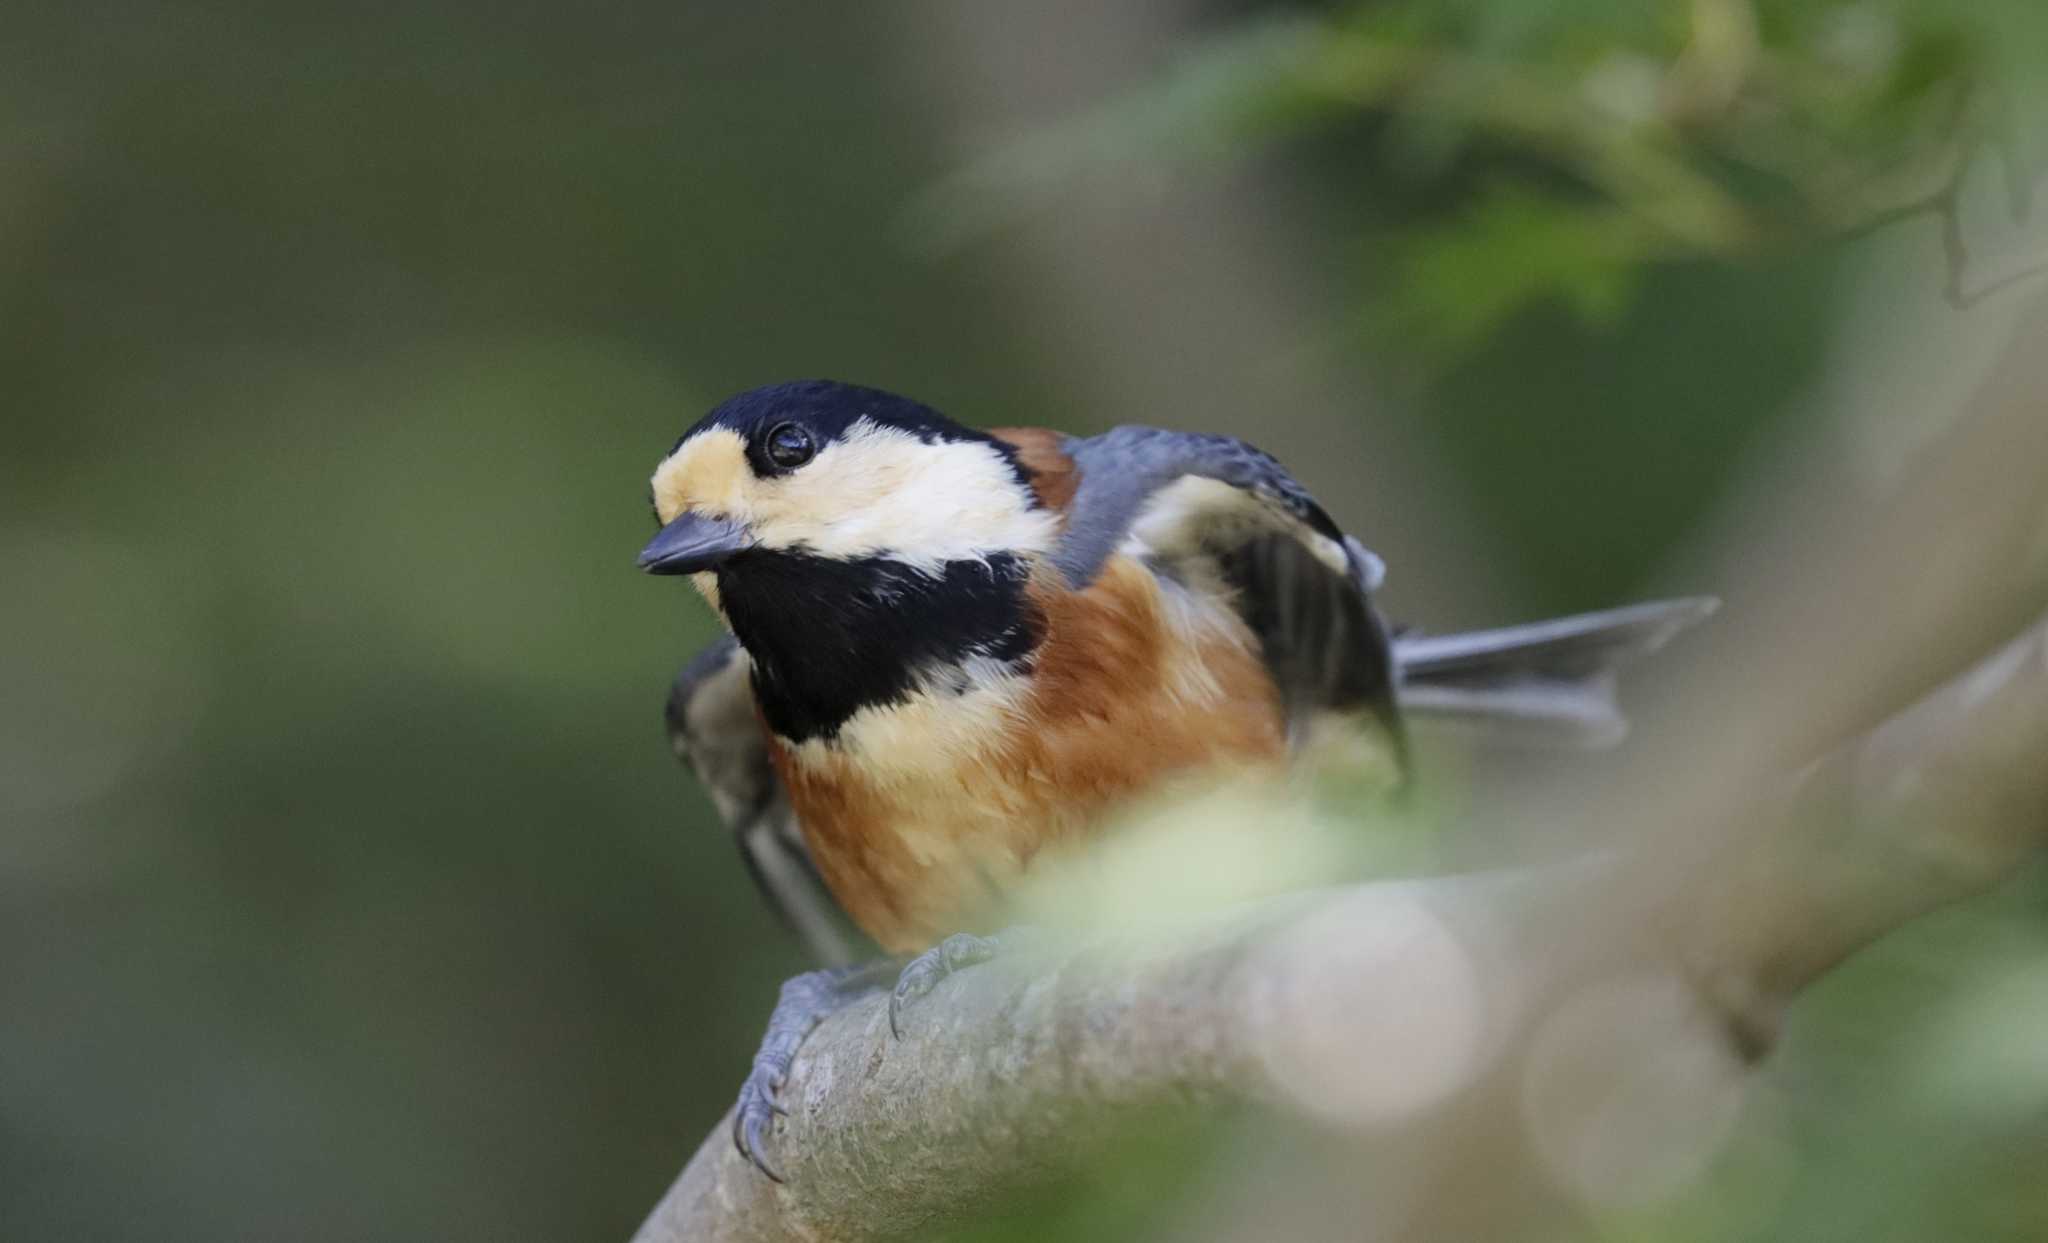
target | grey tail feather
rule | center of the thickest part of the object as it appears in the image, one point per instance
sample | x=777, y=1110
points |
x=1544, y=682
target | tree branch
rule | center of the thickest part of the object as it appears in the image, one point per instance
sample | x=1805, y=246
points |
x=1518, y=1043
x=1400, y=1002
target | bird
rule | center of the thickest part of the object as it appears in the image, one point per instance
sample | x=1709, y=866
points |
x=950, y=653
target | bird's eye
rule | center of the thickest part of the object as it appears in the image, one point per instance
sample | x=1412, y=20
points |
x=790, y=446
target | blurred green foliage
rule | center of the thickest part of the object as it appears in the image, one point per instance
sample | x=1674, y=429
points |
x=349, y=890
x=1526, y=152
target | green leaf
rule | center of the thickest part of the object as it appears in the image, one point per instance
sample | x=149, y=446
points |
x=1513, y=249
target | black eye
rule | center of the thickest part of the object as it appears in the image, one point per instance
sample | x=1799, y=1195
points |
x=790, y=446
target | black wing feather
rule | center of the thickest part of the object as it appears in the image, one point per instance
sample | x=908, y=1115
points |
x=1300, y=584
x=713, y=729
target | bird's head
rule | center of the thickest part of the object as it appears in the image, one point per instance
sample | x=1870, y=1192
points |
x=854, y=541
x=821, y=470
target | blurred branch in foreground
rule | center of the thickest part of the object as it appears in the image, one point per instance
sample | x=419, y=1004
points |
x=1583, y=1028
x=1521, y=1044
x=1495, y=1055
x=1859, y=745
x=1393, y=1000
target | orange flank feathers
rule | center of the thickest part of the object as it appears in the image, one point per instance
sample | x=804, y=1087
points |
x=1054, y=478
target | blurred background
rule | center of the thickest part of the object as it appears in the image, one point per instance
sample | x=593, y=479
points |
x=348, y=887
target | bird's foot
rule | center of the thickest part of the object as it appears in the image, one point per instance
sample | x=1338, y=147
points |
x=963, y=949
x=806, y=1001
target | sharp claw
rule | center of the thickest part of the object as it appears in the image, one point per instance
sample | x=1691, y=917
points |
x=909, y=988
x=924, y=972
x=757, y=1149
x=750, y=1127
x=805, y=1000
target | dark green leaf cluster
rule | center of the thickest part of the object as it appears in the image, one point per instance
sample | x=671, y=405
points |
x=1501, y=153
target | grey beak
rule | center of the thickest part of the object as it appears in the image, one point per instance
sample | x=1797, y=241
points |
x=693, y=542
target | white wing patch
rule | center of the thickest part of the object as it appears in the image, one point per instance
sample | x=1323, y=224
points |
x=1188, y=520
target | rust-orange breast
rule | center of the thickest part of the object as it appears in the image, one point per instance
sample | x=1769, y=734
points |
x=921, y=814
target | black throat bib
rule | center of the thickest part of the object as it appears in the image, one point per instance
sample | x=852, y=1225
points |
x=829, y=637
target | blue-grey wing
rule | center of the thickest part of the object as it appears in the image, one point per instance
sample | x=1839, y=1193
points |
x=1208, y=510
x=1212, y=510
x=715, y=731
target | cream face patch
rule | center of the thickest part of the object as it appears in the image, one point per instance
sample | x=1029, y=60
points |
x=875, y=491
x=706, y=473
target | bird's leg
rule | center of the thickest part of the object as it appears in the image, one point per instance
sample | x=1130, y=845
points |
x=963, y=949
x=806, y=1001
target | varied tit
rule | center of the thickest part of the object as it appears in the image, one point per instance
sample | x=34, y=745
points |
x=953, y=650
